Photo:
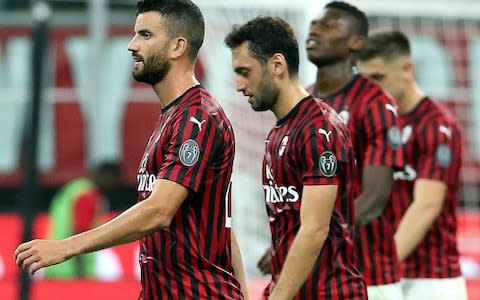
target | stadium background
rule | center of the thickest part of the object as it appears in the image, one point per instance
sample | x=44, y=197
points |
x=92, y=110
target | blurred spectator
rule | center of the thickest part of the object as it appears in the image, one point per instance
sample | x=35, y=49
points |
x=79, y=206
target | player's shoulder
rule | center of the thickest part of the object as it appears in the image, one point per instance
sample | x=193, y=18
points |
x=435, y=114
x=372, y=92
x=321, y=113
x=199, y=102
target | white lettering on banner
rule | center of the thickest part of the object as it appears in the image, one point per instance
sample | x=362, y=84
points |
x=15, y=84
x=103, y=109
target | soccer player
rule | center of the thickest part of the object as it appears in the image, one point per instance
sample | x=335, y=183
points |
x=336, y=35
x=425, y=193
x=182, y=217
x=307, y=169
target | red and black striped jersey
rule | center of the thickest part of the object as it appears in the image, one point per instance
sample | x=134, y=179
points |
x=311, y=146
x=192, y=145
x=433, y=147
x=372, y=118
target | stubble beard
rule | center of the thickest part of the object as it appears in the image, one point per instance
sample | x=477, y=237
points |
x=267, y=94
x=155, y=68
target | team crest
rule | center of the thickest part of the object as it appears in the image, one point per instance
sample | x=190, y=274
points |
x=344, y=115
x=328, y=164
x=406, y=133
x=443, y=155
x=189, y=153
x=394, y=137
x=283, y=146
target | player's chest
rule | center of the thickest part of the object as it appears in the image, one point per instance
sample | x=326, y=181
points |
x=410, y=136
x=281, y=151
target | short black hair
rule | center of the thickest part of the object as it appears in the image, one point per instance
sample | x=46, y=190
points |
x=353, y=12
x=386, y=44
x=184, y=17
x=267, y=36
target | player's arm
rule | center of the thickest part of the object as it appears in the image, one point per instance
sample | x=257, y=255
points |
x=264, y=264
x=315, y=214
x=380, y=125
x=428, y=198
x=438, y=163
x=141, y=219
x=237, y=265
x=376, y=188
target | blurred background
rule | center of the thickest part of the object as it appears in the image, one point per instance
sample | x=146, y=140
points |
x=68, y=104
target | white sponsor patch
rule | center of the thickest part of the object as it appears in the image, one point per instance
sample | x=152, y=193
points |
x=443, y=155
x=328, y=164
x=189, y=153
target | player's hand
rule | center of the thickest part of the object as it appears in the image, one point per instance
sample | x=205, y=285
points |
x=264, y=264
x=37, y=254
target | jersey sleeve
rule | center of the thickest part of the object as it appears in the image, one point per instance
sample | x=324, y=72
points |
x=439, y=152
x=323, y=153
x=381, y=125
x=190, y=148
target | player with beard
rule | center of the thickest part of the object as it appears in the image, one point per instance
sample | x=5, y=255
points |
x=307, y=169
x=336, y=35
x=182, y=218
x=425, y=193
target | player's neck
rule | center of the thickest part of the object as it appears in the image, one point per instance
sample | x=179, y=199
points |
x=411, y=98
x=291, y=93
x=331, y=78
x=178, y=80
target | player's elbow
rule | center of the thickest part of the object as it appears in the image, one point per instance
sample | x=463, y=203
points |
x=430, y=209
x=316, y=234
x=155, y=219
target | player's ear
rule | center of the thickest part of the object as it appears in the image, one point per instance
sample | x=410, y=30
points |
x=178, y=47
x=356, y=42
x=407, y=68
x=278, y=64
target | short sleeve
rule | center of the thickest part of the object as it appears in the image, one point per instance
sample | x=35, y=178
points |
x=382, y=134
x=189, y=148
x=324, y=153
x=439, y=152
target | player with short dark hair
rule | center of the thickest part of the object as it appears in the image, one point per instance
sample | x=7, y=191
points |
x=182, y=218
x=425, y=192
x=307, y=169
x=336, y=36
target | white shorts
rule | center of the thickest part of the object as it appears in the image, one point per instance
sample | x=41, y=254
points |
x=392, y=291
x=434, y=288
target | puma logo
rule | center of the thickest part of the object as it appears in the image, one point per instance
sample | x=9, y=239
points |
x=391, y=108
x=325, y=133
x=195, y=121
x=445, y=130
